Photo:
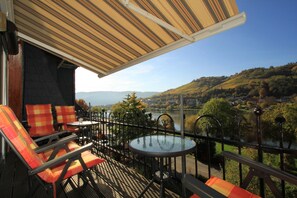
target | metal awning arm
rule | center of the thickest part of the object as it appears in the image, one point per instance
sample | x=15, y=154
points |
x=155, y=19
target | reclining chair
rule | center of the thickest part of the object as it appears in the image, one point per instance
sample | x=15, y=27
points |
x=50, y=171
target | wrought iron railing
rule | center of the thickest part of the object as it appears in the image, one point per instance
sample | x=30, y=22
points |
x=114, y=132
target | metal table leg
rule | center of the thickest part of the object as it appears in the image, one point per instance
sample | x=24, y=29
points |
x=158, y=175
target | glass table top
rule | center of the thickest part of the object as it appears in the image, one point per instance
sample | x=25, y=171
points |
x=162, y=145
x=83, y=123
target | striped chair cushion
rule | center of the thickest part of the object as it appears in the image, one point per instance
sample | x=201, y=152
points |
x=228, y=189
x=14, y=136
x=66, y=114
x=89, y=159
x=19, y=127
x=40, y=119
x=33, y=160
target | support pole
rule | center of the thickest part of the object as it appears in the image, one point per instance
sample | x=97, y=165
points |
x=4, y=93
x=182, y=117
x=6, y=7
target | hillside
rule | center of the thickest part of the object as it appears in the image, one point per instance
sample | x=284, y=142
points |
x=274, y=82
x=109, y=97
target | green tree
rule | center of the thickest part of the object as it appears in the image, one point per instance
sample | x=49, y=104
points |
x=264, y=89
x=96, y=109
x=224, y=112
x=82, y=103
x=271, y=129
x=131, y=104
x=131, y=110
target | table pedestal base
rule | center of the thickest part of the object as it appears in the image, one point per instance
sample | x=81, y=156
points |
x=157, y=177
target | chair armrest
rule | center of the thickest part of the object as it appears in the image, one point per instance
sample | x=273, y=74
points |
x=57, y=161
x=199, y=188
x=261, y=168
x=59, y=142
x=58, y=126
x=26, y=125
x=52, y=136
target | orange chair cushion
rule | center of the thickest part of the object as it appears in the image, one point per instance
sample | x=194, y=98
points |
x=228, y=189
x=66, y=114
x=40, y=120
x=75, y=167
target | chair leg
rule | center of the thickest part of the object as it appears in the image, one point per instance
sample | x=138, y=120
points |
x=59, y=189
x=30, y=186
x=95, y=186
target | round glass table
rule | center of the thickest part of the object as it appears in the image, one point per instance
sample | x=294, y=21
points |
x=85, y=129
x=162, y=146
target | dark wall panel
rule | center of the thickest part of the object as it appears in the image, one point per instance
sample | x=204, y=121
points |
x=67, y=85
x=44, y=81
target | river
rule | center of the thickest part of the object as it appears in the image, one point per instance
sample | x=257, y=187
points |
x=175, y=116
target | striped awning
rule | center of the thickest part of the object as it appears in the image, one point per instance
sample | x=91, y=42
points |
x=106, y=36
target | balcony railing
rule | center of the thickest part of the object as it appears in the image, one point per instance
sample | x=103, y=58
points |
x=114, y=132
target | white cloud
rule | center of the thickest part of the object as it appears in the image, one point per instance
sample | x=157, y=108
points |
x=126, y=80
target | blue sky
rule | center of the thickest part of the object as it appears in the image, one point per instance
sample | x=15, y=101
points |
x=268, y=38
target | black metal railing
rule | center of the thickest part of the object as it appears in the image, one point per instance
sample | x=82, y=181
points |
x=114, y=132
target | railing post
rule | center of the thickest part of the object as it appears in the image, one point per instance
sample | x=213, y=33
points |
x=280, y=120
x=258, y=112
x=90, y=111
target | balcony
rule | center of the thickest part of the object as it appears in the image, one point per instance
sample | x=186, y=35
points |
x=125, y=174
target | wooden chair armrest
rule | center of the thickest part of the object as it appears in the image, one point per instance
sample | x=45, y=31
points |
x=75, y=154
x=199, y=188
x=260, y=167
x=59, y=142
x=51, y=137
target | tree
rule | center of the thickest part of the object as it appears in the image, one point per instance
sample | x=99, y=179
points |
x=82, y=103
x=264, y=89
x=131, y=104
x=224, y=112
x=131, y=110
x=96, y=109
x=271, y=129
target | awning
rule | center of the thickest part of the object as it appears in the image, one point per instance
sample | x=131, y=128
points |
x=106, y=36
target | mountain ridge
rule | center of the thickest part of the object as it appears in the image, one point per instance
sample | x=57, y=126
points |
x=109, y=97
x=251, y=84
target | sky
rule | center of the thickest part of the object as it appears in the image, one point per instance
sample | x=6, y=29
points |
x=267, y=38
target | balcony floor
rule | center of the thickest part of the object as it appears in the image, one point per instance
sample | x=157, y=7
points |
x=114, y=180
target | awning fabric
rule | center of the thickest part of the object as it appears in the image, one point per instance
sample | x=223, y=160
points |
x=106, y=36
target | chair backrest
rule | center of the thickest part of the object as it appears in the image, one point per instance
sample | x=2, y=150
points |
x=19, y=126
x=40, y=119
x=13, y=135
x=65, y=114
